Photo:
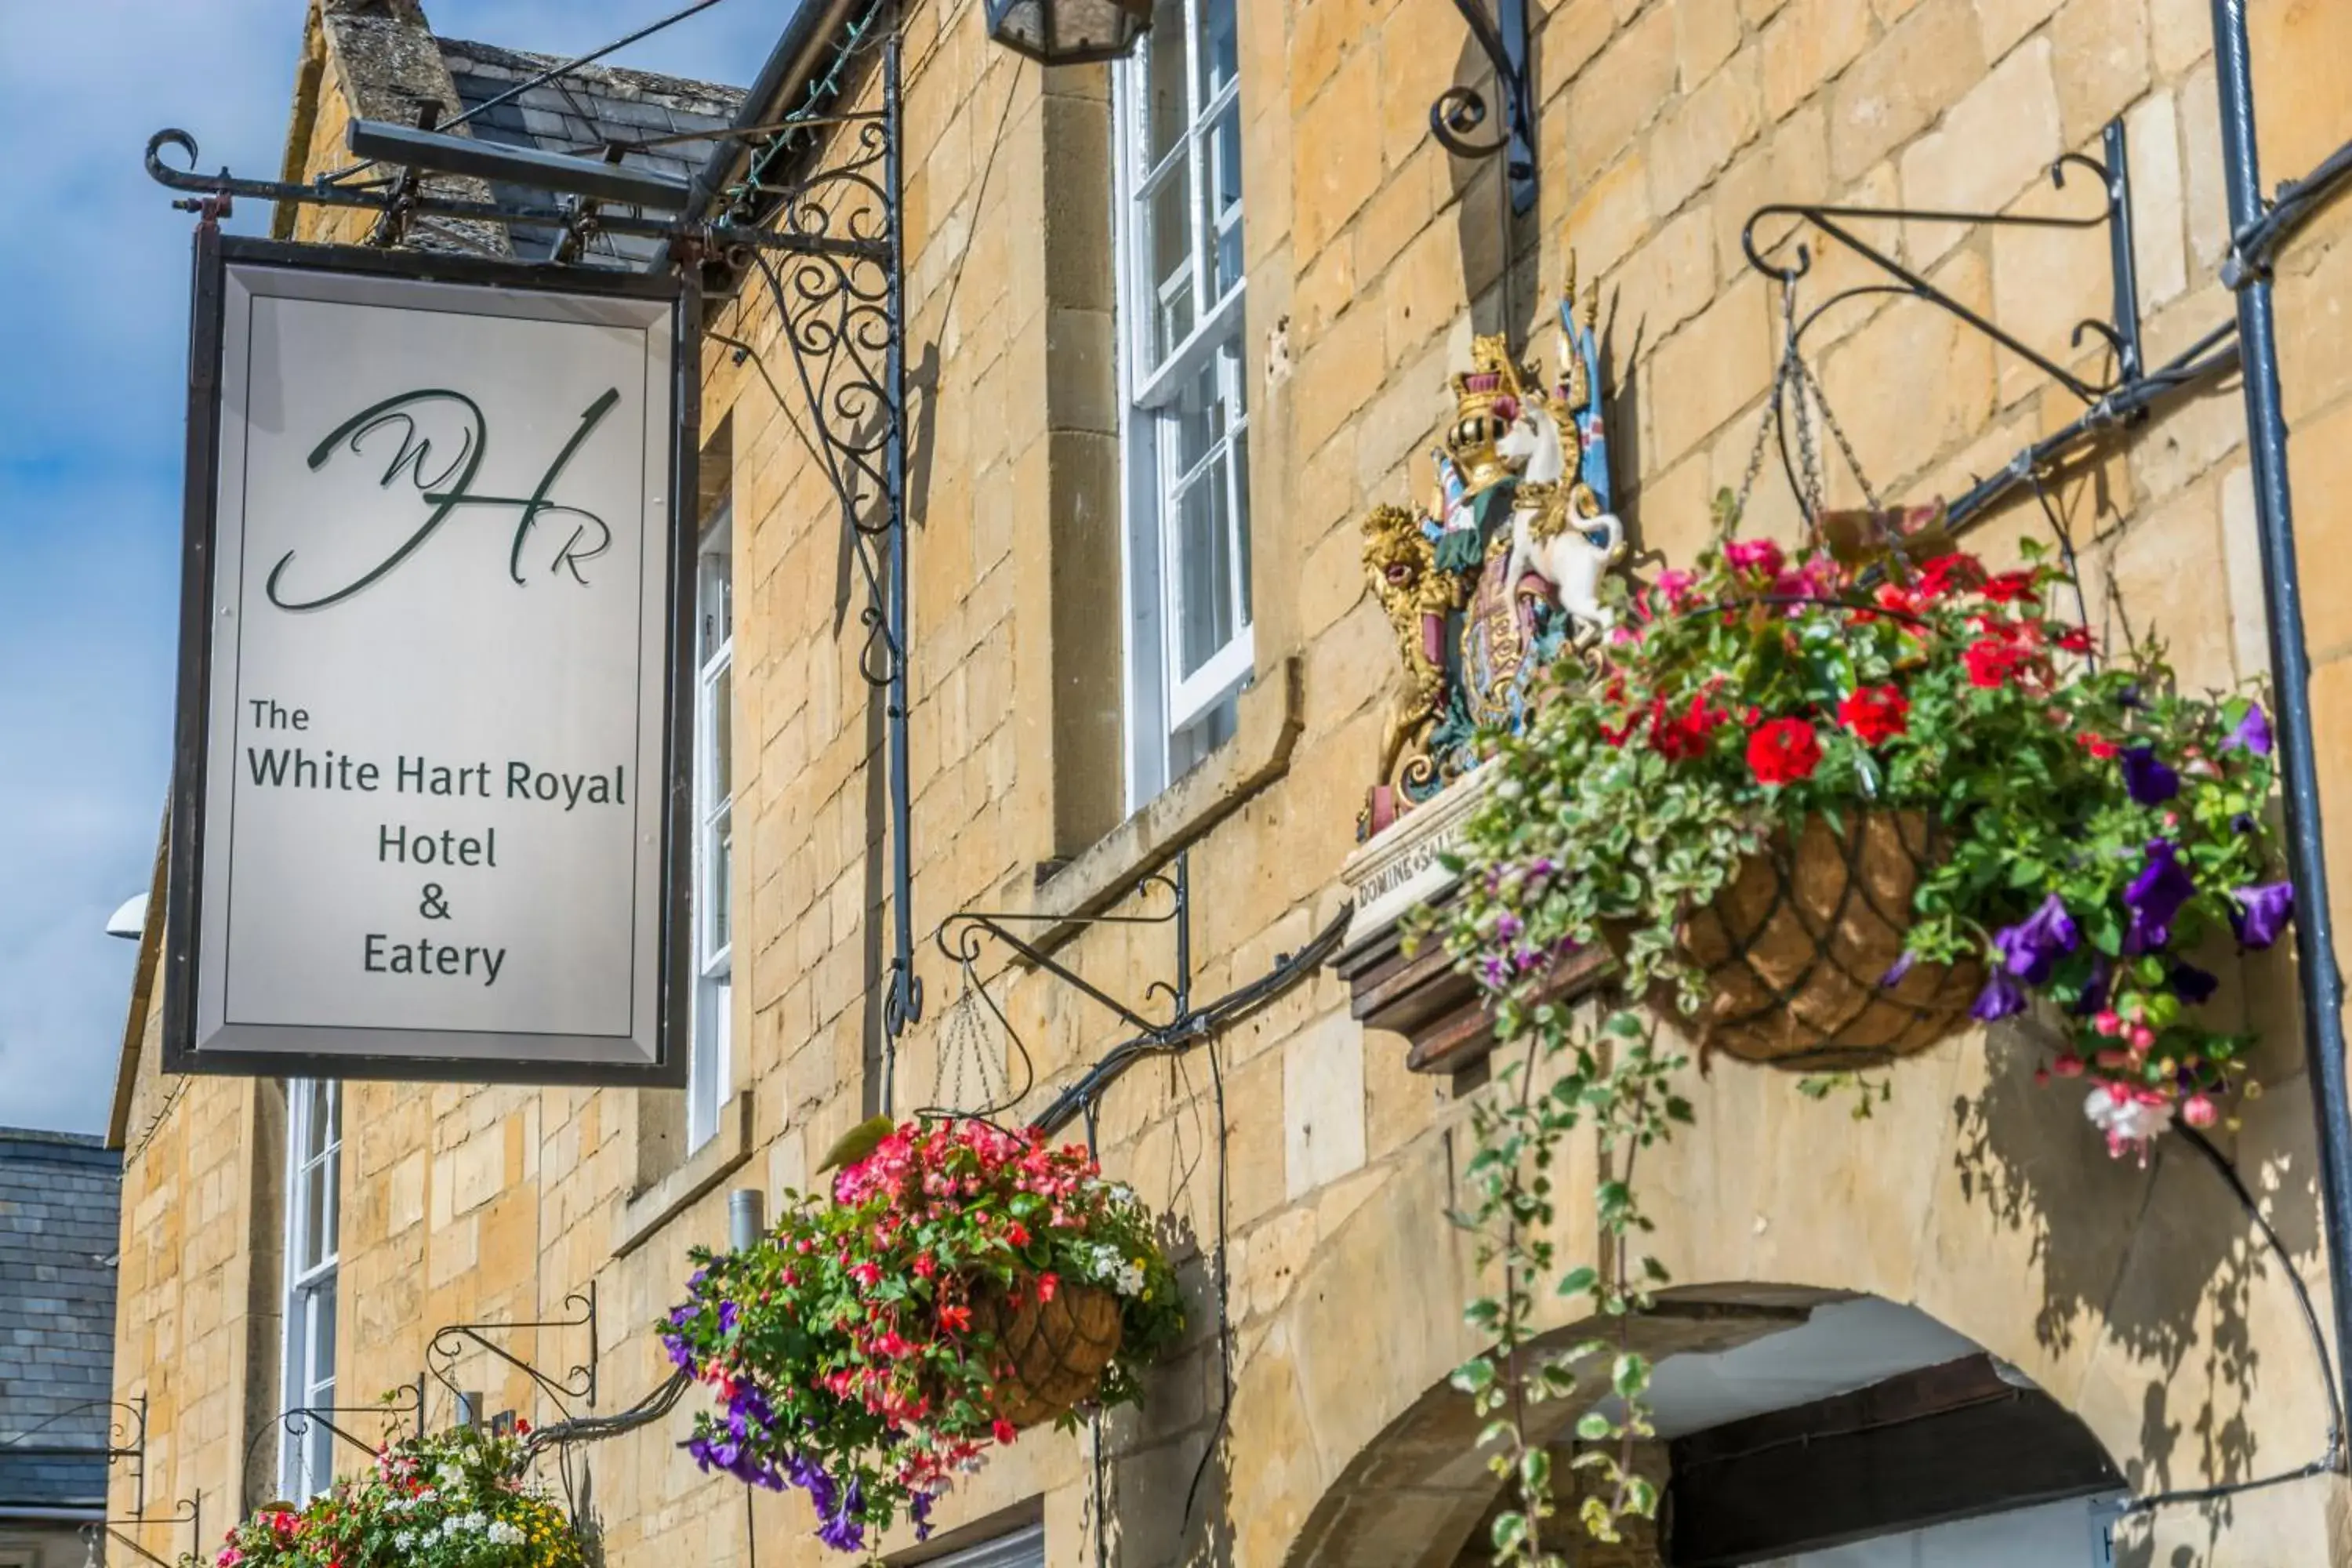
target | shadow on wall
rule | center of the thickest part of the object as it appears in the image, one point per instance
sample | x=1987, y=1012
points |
x=2163, y=1261
x=1164, y=1474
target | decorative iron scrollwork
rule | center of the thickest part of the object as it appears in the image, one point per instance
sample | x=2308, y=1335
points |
x=1460, y=112
x=578, y=1383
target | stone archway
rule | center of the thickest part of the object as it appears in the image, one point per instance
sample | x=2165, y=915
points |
x=2135, y=1299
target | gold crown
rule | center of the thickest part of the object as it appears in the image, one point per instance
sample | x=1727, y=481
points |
x=1487, y=400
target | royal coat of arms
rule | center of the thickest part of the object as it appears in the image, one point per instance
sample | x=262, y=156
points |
x=1501, y=573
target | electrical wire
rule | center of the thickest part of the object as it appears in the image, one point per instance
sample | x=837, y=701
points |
x=2327, y=1463
x=572, y=65
x=2252, y=249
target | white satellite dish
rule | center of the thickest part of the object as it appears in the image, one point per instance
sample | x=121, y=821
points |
x=130, y=919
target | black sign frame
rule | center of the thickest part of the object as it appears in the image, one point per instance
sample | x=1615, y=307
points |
x=213, y=254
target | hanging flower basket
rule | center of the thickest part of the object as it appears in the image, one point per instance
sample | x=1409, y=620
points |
x=1052, y=1353
x=1796, y=950
x=959, y=1284
x=1828, y=807
x=448, y=1499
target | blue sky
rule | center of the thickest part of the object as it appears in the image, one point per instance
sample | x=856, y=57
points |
x=93, y=330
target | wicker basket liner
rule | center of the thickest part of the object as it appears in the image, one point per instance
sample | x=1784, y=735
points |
x=1055, y=1350
x=1795, y=949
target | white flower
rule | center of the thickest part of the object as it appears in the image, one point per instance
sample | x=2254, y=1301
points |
x=405, y=1540
x=505, y=1534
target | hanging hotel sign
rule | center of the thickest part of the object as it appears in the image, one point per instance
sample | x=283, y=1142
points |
x=430, y=774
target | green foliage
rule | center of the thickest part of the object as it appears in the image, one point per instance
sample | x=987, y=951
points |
x=448, y=1500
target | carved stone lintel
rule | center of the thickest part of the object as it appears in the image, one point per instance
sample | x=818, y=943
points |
x=1422, y=996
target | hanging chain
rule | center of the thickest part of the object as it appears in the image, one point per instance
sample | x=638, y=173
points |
x=1794, y=379
x=964, y=1037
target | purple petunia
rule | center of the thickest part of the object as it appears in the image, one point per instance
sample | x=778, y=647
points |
x=919, y=1508
x=2094, y=999
x=1896, y=971
x=2253, y=733
x=2259, y=913
x=2192, y=985
x=844, y=1531
x=2033, y=946
x=2000, y=998
x=2155, y=897
x=2146, y=776
x=727, y=1313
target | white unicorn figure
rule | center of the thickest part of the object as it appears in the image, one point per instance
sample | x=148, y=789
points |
x=1567, y=552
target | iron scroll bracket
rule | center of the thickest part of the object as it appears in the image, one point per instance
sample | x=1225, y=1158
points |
x=451, y=1340
x=190, y=1512
x=1460, y=112
x=298, y=1420
x=126, y=1439
x=2120, y=330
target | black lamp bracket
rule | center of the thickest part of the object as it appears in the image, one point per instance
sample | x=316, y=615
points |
x=298, y=1420
x=1460, y=112
x=452, y=1341
x=191, y=1513
x=126, y=1440
x=2120, y=330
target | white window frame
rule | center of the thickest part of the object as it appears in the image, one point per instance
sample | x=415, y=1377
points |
x=1170, y=718
x=306, y=1448
x=1022, y=1549
x=709, y=1067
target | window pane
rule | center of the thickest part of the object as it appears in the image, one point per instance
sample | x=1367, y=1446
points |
x=1170, y=254
x=1220, y=46
x=715, y=594
x=331, y=1203
x=721, y=848
x=1205, y=568
x=1224, y=200
x=323, y=1334
x=1199, y=422
x=1165, y=91
x=721, y=721
x=314, y=1201
x=1241, y=517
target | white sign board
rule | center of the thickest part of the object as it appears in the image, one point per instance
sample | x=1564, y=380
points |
x=427, y=770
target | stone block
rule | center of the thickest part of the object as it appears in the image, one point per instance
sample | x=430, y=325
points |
x=1706, y=33
x=2159, y=215
x=1621, y=91
x=1323, y=1106
x=2164, y=568
x=1698, y=136
x=1710, y=370
x=2319, y=470
x=2314, y=299
x=1338, y=374
x=1914, y=382
x=2102, y=54
x=2002, y=23
x=1572, y=33
x=2241, y=555
x=2301, y=113
x=1610, y=214
x=1897, y=87
x=1668, y=280
x=2181, y=33
x=1995, y=142
x=1805, y=47
x=1790, y=165
x=1336, y=164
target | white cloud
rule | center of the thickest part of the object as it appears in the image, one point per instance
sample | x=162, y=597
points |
x=93, y=313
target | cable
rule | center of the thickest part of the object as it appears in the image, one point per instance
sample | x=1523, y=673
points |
x=2252, y=249
x=2333, y=1460
x=1224, y=1314
x=571, y=65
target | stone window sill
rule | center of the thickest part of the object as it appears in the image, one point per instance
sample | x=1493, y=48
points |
x=1271, y=714
x=645, y=1211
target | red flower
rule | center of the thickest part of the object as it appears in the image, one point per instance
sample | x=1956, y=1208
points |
x=1685, y=736
x=956, y=1319
x=2075, y=639
x=1760, y=556
x=1017, y=1234
x=1946, y=572
x=1047, y=1283
x=2010, y=586
x=2099, y=746
x=1783, y=752
x=1875, y=714
x=1005, y=1431
x=1994, y=663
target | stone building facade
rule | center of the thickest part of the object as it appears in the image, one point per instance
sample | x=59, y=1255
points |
x=1050, y=777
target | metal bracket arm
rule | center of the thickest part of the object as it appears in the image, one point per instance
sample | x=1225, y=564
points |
x=1459, y=112
x=579, y=1382
x=323, y=192
x=2121, y=330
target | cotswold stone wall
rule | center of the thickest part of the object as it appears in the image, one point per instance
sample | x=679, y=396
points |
x=2138, y=1298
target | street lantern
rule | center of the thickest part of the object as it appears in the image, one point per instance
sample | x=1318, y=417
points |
x=1068, y=32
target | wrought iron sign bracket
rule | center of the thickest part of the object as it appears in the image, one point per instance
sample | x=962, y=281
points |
x=1460, y=112
x=190, y=1512
x=2121, y=329
x=578, y=1383
x=297, y=1422
x=126, y=1439
x=398, y=198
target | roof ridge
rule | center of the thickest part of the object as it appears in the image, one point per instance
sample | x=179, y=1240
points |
x=617, y=76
